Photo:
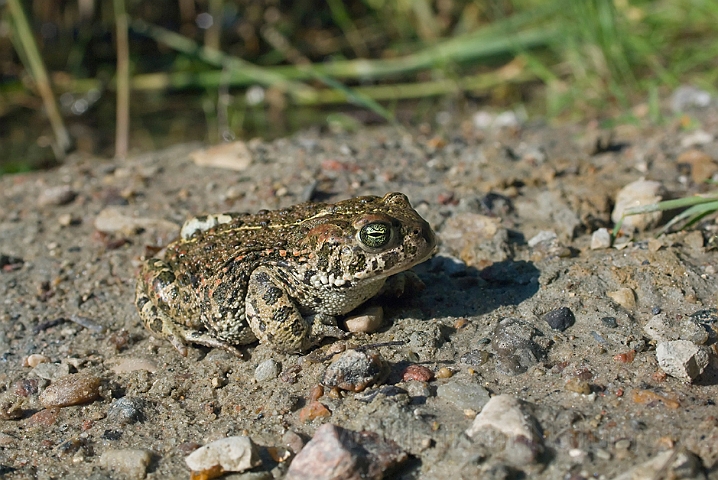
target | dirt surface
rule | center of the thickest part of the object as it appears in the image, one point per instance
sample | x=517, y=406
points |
x=595, y=389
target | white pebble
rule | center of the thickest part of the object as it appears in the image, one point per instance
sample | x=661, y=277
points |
x=682, y=359
x=231, y=454
x=130, y=463
x=601, y=238
x=637, y=194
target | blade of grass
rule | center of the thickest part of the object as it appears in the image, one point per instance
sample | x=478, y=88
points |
x=252, y=73
x=692, y=215
x=25, y=42
x=697, y=200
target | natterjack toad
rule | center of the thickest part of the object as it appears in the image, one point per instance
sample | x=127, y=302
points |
x=281, y=276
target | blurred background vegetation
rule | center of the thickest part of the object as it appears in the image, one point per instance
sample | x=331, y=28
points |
x=136, y=75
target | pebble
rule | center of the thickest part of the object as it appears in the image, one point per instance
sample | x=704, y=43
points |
x=475, y=357
x=127, y=410
x=51, y=371
x=419, y=373
x=687, y=96
x=131, y=364
x=541, y=237
x=624, y=297
x=119, y=220
x=418, y=389
x=444, y=372
x=635, y=194
x=131, y=463
x=669, y=464
x=507, y=415
x=60, y=195
x=698, y=137
x=267, y=370
x=475, y=238
x=34, y=360
x=515, y=346
x=230, y=454
x=702, y=166
x=600, y=239
x=354, y=370
x=70, y=390
x=335, y=453
x=464, y=395
x=610, y=322
x=682, y=359
x=560, y=319
x=369, y=321
x=231, y=156
x=312, y=410
x=659, y=328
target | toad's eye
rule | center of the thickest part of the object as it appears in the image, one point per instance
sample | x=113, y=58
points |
x=375, y=235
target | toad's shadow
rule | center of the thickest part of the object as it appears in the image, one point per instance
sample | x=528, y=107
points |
x=456, y=290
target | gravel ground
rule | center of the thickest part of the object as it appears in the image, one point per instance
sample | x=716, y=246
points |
x=517, y=307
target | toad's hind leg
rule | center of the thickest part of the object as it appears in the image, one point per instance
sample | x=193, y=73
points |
x=154, y=310
x=273, y=316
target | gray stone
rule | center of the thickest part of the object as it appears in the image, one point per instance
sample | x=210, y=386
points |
x=600, y=239
x=129, y=463
x=507, y=415
x=515, y=346
x=669, y=464
x=355, y=370
x=682, y=359
x=464, y=395
x=127, y=410
x=267, y=370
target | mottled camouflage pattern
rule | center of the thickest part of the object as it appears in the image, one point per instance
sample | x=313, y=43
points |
x=278, y=276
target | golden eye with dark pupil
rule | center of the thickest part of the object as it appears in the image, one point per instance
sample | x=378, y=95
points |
x=375, y=235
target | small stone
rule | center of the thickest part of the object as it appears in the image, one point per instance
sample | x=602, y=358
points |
x=682, y=359
x=231, y=156
x=624, y=297
x=60, y=195
x=354, y=370
x=659, y=328
x=231, y=454
x=687, y=96
x=369, y=321
x=131, y=364
x=541, y=237
x=313, y=410
x=70, y=390
x=130, y=463
x=34, y=360
x=506, y=415
x=681, y=463
x=335, y=453
x=514, y=342
x=560, y=319
x=267, y=370
x=419, y=373
x=475, y=357
x=475, y=238
x=601, y=238
x=51, y=371
x=444, y=372
x=578, y=386
x=418, y=389
x=127, y=410
x=464, y=395
x=696, y=138
x=610, y=322
x=636, y=194
x=293, y=441
x=701, y=165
